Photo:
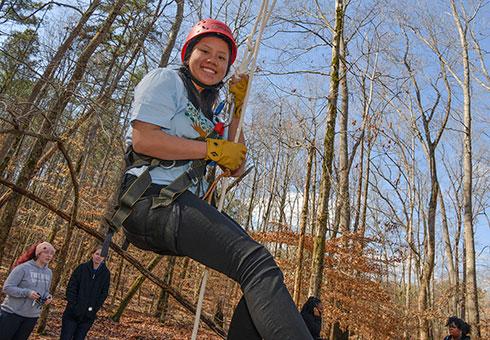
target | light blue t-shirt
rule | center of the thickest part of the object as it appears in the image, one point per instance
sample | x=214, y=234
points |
x=161, y=99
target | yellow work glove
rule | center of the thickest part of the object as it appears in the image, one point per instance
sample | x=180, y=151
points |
x=238, y=87
x=227, y=154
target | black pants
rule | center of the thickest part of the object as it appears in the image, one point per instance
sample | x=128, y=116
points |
x=191, y=227
x=15, y=327
x=72, y=329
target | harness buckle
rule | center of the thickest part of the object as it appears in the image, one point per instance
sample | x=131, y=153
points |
x=168, y=166
x=195, y=180
x=193, y=174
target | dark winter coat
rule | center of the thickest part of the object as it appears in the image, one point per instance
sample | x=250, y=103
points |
x=313, y=322
x=463, y=337
x=87, y=291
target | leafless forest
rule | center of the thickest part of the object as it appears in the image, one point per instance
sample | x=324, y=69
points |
x=367, y=132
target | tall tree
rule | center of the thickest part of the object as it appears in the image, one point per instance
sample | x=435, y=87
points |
x=302, y=226
x=328, y=150
x=424, y=134
x=471, y=292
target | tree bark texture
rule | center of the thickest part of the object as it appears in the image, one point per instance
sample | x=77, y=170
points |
x=298, y=273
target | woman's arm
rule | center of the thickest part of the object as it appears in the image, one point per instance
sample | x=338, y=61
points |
x=11, y=285
x=150, y=140
x=73, y=285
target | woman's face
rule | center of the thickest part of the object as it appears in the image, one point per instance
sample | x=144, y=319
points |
x=317, y=311
x=45, y=256
x=96, y=258
x=209, y=60
x=454, y=331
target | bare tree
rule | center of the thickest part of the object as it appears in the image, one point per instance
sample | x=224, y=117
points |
x=471, y=293
x=328, y=147
x=430, y=144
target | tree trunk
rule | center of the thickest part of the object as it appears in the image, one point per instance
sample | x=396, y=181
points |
x=365, y=191
x=359, y=184
x=267, y=213
x=453, y=306
x=422, y=300
x=174, y=31
x=344, y=198
x=117, y=280
x=284, y=194
x=134, y=288
x=328, y=145
x=162, y=306
x=252, y=199
x=408, y=287
x=302, y=228
x=471, y=290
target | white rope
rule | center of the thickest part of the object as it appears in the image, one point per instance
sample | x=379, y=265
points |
x=250, y=58
x=248, y=64
x=199, y=304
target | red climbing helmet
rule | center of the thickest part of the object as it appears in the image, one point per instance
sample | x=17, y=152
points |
x=207, y=26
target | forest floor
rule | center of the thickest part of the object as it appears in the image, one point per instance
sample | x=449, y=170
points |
x=132, y=326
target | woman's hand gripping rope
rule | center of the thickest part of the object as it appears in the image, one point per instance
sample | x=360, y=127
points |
x=238, y=87
x=229, y=155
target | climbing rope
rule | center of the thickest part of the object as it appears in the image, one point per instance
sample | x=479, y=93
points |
x=247, y=65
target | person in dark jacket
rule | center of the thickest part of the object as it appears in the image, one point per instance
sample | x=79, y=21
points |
x=312, y=314
x=458, y=329
x=86, y=292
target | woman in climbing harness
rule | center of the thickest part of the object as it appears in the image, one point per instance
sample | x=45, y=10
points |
x=172, y=138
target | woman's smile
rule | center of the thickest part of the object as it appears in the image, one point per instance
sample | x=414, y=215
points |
x=208, y=62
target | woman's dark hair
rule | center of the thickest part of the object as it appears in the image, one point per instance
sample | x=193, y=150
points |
x=205, y=99
x=310, y=304
x=208, y=99
x=460, y=324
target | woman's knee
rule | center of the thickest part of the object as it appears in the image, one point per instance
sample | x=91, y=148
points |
x=256, y=263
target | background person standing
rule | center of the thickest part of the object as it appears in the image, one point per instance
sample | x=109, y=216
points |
x=312, y=315
x=458, y=329
x=27, y=289
x=86, y=292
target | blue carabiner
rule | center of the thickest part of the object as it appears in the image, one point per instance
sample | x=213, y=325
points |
x=219, y=108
